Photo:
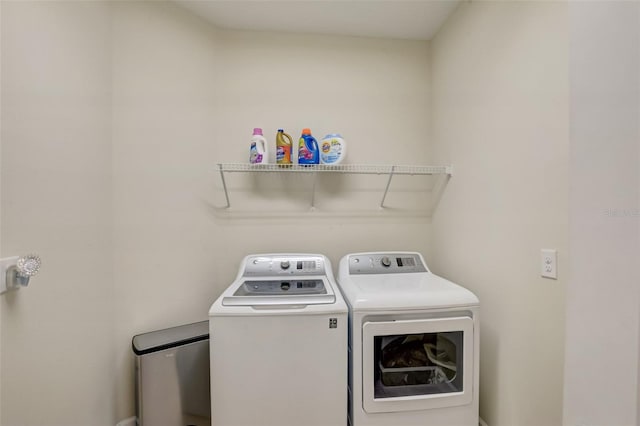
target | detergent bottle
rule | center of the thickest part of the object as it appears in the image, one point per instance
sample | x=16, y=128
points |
x=308, y=152
x=284, y=144
x=258, y=153
x=333, y=149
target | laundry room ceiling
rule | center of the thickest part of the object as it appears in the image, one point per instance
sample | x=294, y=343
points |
x=401, y=19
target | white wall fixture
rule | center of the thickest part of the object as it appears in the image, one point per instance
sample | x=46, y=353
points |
x=15, y=271
x=548, y=263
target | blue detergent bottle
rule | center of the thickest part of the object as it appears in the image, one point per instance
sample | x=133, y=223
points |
x=308, y=152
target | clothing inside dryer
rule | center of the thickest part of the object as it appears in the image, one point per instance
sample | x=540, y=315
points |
x=418, y=364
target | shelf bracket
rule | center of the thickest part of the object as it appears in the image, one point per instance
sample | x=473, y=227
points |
x=224, y=185
x=438, y=188
x=386, y=190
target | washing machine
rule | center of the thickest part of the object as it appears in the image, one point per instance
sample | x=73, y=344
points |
x=278, y=353
x=413, y=343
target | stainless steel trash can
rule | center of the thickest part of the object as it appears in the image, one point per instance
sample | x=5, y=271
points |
x=172, y=376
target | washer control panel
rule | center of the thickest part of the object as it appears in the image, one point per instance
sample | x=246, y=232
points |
x=386, y=263
x=278, y=265
x=280, y=287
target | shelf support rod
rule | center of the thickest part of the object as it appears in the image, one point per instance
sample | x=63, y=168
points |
x=438, y=189
x=313, y=191
x=384, y=196
x=224, y=185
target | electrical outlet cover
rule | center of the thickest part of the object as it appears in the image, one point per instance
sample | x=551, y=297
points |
x=549, y=263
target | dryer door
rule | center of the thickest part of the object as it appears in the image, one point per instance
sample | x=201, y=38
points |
x=417, y=364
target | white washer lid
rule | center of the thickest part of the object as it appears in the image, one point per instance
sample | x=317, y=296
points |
x=403, y=292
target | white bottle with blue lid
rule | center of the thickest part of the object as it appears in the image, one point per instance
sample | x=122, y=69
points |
x=332, y=149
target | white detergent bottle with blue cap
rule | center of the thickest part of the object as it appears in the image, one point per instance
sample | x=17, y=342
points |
x=332, y=149
x=258, y=153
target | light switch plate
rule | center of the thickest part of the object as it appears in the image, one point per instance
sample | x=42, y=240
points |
x=549, y=263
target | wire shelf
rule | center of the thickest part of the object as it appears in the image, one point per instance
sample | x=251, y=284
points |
x=442, y=172
x=366, y=169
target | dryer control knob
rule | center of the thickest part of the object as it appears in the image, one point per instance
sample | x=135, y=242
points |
x=386, y=262
x=285, y=264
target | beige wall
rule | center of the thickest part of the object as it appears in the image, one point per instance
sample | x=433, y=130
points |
x=1, y=252
x=603, y=296
x=122, y=111
x=140, y=100
x=191, y=101
x=499, y=114
x=163, y=120
x=57, y=334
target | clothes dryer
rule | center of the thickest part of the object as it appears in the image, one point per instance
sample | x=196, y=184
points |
x=413, y=343
x=279, y=345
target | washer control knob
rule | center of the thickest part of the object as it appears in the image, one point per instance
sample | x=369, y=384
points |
x=285, y=264
x=386, y=262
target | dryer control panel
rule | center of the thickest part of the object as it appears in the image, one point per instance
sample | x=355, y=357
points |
x=386, y=263
x=279, y=265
